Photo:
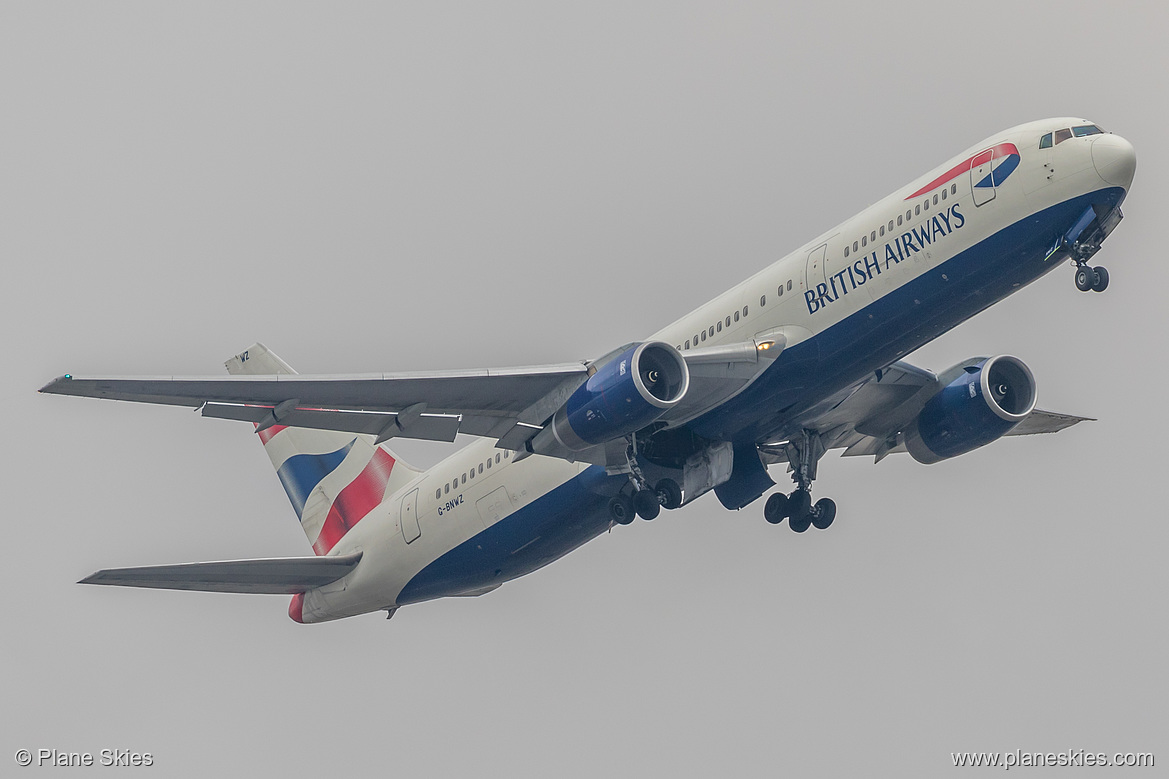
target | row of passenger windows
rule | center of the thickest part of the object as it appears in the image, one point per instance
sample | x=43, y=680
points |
x=1059, y=136
x=462, y=478
x=915, y=211
x=717, y=327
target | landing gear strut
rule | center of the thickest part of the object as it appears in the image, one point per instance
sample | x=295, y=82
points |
x=646, y=501
x=803, y=454
x=1088, y=278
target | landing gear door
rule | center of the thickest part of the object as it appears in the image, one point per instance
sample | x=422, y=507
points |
x=409, y=518
x=981, y=180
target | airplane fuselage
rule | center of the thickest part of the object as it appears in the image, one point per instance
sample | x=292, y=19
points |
x=850, y=302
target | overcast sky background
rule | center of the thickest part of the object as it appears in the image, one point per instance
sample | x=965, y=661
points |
x=389, y=186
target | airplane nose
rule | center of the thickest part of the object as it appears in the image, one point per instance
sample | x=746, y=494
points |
x=1115, y=159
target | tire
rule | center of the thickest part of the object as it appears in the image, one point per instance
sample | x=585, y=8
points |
x=645, y=503
x=669, y=494
x=800, y=523
x=775, y=509
x=1085, y=277
x=1099, y=279
x=799, y=510
x=621, y=510
x=824, y=513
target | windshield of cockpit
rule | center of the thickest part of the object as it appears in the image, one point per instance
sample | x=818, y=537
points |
x=1059, y=136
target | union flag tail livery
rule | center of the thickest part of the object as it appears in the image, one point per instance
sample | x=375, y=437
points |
x=333, y=479
x=804, y=357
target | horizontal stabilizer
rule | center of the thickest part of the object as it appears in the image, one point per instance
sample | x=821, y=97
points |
x=273, y=576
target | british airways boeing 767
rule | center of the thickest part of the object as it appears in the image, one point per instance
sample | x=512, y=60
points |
x=801, y=358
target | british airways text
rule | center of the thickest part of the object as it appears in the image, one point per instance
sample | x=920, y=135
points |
x=900, y=248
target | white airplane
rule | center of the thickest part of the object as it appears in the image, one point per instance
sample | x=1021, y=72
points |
x=799, y=359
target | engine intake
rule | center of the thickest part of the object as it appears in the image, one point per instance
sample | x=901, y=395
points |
x=986, y=400
x=622, y=396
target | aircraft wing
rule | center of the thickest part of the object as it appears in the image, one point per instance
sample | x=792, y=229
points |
x=274, y=576
x=865, y=419
x=431, y=406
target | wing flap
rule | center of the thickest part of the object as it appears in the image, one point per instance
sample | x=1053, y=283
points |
x=272, y=576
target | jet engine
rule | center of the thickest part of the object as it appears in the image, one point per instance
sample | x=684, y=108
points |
x=986, y=400
x=626, y=392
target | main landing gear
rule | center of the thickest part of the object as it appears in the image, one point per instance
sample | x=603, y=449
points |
x=646, y=501
x=798, y=507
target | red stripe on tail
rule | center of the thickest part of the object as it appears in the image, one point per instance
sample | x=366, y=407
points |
x=359, y=497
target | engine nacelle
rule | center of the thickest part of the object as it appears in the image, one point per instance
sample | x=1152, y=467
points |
x=623, y=395
x=981, y=405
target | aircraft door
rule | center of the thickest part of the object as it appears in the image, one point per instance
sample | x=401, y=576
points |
x=409, y=517
x=815, y=272
x=981, y=182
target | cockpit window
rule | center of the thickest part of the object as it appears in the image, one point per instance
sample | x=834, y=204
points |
x=1045, y=142
x=1087, y=129
x=1062, y=135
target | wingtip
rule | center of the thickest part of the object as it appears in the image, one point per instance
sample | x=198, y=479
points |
x=51, y=387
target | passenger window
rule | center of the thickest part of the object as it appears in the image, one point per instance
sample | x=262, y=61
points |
x=687, y=344
x=744, y=311
x=506, y=456
x=890, y=225
x=464, y=478
x=711, y=330
x=696, y=339
x=854, y=246
x=703, y=335
x=1061, y=136
x=446, y=488
x=944, y=193
x=472, y=473
x=736, y=316
x=719, y=325
x=455, y=483
x=779, y=293
x=728, y=321
x=846, y=248
x=789, y=285
x=917, y=209
x=953, y=189
x=926, y=204
x=1045, y=142
x=438, y=493
x=489, y=463
x=480, y=467
x=908, y=215
x=864, y=240
x=935, y=200
x=882, y=229
x=873, y=237
x=762, y=301
x=899, y=220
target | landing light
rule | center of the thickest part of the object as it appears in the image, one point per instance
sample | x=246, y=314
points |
x=765, y=345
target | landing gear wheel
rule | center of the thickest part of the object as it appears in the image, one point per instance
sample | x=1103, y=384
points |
x=669, y=494
x=621, y=510
x=645, y=503
x=1085, y=278
x=1100, y=279
x=775, y=509
x=799, y=509
x=823, y=513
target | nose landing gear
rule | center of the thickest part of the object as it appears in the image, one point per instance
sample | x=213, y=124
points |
x=798, y=508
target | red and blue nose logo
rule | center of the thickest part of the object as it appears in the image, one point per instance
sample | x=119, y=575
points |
x=989, y=168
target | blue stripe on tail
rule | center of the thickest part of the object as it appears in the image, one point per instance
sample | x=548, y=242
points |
x=301, y=472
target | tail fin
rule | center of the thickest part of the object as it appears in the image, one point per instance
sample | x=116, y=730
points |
x=333, y=479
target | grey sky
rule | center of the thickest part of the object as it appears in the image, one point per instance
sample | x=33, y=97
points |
x=409, y=186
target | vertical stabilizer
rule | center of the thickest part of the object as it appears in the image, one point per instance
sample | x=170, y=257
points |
x=333, y=479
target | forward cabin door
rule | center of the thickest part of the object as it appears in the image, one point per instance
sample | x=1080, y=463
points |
x=981, y=182
x=409, y=517
x=815, y=270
